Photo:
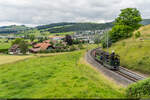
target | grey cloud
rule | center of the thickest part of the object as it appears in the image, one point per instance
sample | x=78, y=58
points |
x=37, y=12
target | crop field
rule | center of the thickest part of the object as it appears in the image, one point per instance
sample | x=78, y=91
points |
x=135, y=53
x=55, y=76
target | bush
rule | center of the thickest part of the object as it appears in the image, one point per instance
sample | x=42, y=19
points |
x=3, y=50
x=119, y=32
x=137, y=34
x=123, y=44
x=72, y=48
x=76, y=41
x=80, y=46
x=17, y=41
x=140, y=89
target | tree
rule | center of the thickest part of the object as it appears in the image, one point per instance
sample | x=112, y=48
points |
x=97, y=38
x=129, y=17
x=125, y=24
x=32, y=37
x=40, y=39
x=23, y=46
x=69, y=40
x=120, y=32
x=137, y=34
x=16, y=41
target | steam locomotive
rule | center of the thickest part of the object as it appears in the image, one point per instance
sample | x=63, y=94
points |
x=111, y=61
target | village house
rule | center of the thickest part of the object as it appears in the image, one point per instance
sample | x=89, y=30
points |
x=41, y=46
x=48, y=45
x=15, y=49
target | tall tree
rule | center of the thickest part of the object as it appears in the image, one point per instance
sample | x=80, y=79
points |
x=69, y=40
x=23, y=46
x=129, y=17
x=32, y=38
x=128, y=21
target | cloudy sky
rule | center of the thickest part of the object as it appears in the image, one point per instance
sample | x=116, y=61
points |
x=38, y=12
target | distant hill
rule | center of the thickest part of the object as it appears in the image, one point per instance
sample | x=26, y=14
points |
x=67, y=27
x=61, y=27
x=13, y=29
x=146, y=22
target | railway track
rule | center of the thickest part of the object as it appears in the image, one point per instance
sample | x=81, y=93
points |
x=132, y=76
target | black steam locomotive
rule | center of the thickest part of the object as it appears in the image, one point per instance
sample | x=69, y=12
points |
x=111, y=61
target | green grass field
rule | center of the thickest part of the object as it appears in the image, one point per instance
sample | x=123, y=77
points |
x=4, y=45
x=4, y=59
x=135, y=53
x=55, y=76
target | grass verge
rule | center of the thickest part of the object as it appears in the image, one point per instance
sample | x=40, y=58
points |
x=57, y=76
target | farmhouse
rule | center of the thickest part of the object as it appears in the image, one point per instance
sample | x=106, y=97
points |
x=15, y=49
x=41, y=46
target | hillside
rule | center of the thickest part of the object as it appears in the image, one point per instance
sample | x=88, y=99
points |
x=13, y=29
x=68, y=27
x=63, y=27
x=135, y=52
x=55, y=76
x=145, y=22
x=54, y=28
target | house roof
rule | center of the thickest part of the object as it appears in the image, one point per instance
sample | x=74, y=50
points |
x=42, y=46
x=38, y=45
x=15, y=46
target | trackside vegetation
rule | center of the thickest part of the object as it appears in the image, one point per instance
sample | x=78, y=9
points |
x=57, y=76
x=134, y=52
x=139, y=90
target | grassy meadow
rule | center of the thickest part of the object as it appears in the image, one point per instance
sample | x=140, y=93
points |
x=55, y=76
x=4, y=45
x=4, y=59
x=135, y=52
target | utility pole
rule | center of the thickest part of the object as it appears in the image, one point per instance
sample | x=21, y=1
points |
x=107, y=40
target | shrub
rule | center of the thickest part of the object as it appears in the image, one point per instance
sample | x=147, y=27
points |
x=137, y=34
x=80, y=46
x=72, y=48
x=140, y=89
x=4, y=51
x=123, y=44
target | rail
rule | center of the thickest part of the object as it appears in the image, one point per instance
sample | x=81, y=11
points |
x=123, y=71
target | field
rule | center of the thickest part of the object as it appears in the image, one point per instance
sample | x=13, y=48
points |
x=62, y=34
x=9, y=59
x=4, y=45
x=55, y=76
x=135, y=52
